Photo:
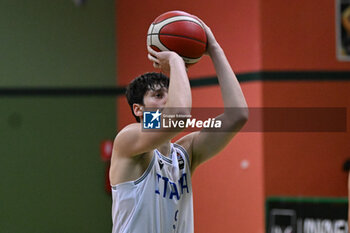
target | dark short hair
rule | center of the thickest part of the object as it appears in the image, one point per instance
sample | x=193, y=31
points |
x=138, y=87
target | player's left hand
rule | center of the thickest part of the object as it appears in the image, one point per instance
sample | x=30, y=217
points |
x=161, y=60
x=212, y=43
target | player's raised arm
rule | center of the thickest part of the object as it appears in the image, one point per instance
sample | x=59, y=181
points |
x=179, y=93
x=206, y=144
x=176, y=99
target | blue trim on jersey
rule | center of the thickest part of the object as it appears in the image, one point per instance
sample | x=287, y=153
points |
x=146, y=172
x=184, y=152
x=166, y=159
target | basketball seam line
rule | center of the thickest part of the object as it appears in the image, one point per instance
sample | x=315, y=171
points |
x=152, y=31
x=177, y=16
x=165, y=34
x=194, y=58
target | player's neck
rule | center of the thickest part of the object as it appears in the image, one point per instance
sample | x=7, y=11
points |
x=164, y=149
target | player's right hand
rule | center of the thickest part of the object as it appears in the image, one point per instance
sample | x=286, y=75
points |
x=162, y=60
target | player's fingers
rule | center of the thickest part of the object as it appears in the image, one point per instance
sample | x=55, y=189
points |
x=152, y=58
x=156, y=65
x=152, y=51
x=201, y=21
x=203, y=24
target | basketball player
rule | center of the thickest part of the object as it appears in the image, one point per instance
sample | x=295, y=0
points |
x=150, y=176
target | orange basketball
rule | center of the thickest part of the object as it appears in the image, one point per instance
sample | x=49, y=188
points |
x=180, y=32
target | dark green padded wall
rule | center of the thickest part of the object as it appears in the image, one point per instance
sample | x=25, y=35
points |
x=51, y=175
x=55, y=43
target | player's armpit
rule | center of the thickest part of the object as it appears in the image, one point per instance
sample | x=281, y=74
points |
x=208, y=143
x=186, y=142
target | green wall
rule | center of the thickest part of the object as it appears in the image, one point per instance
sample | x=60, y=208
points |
x=52, y=178
x=51, y=174
x=55, y=43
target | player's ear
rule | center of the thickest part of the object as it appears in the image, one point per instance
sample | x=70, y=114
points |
x=138, y=109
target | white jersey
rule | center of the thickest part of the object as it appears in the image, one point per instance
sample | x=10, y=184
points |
x=160, y=201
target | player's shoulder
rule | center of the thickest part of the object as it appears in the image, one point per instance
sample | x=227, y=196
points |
x=126, y=134
x=129, y=129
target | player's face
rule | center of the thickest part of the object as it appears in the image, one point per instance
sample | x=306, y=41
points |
x=156, y=98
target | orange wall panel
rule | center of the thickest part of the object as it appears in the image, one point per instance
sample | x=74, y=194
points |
x=301, y=163
x=299, y=35
x=228, y=198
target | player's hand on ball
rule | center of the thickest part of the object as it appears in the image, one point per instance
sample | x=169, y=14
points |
x=161, y=60
x=212, y=43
